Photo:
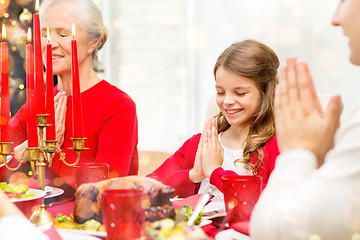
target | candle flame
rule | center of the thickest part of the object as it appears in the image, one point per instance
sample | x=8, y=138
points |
x=37, y=5
x=3, y=32
x=28, y=38
x=73, y=30
x=48, y=34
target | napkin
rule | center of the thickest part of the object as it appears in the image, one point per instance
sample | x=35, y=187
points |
x=242, y=227
x=66, y=208
x=189, y=201
x=53, y=234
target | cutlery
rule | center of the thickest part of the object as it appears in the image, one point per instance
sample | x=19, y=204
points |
x=199, y=206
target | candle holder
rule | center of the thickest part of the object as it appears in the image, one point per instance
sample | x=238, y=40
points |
x=39, y=158
x=78, y=146
x=5, y=151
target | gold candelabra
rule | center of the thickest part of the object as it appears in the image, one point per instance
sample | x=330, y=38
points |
x=39, y=158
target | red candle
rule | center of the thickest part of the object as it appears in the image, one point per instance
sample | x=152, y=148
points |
x=31, y=114
x=50, y=130
x=39, y=73
x=78, y=130
x=5, y=99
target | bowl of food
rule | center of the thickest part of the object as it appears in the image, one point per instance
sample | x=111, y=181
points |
x=25, y=198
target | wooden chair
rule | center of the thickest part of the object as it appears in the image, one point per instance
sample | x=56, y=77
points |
x=151, y=160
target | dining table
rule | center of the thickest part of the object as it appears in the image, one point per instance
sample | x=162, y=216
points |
x=215, y=227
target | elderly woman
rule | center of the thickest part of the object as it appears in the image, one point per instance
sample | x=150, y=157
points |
x=109, y=114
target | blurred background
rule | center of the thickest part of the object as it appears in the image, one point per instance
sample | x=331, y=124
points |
x=162, y=53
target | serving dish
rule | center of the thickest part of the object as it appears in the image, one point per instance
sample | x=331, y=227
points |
x=29, y=205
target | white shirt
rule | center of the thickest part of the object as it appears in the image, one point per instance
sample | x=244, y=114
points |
x=217, y=202
x=302, y=202
x=14, y=227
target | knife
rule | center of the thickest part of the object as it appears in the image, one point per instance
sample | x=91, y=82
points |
x=199, y=206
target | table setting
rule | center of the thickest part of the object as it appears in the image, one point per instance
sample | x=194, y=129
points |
x=217, y=226
x=124, y=208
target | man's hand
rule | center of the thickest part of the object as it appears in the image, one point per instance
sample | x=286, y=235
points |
x=299, y=119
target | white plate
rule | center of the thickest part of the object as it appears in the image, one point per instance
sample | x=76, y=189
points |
x=231, y=234
x=214, y=207
x=48, y=189
x=38, y=193
x=81, y=234
x=54, y=192
x=205, y=222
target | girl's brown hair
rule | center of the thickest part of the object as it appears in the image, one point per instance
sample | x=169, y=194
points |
x=254, y=60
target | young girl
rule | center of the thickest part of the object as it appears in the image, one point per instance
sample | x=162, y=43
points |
x=241, y=140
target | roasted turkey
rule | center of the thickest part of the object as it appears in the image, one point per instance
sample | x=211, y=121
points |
x=88, y=197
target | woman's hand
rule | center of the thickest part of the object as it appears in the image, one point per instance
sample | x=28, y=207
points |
x=300, y=121
x=212, y=151
x=19, y=149
x=60, y=101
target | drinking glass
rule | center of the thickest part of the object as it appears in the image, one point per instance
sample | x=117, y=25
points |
x=123, y=213
x=90, y=173
x=241, y=193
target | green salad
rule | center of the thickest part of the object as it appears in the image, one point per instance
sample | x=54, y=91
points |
x=15, y=191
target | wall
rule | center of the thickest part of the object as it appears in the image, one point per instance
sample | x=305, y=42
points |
x=162, y=53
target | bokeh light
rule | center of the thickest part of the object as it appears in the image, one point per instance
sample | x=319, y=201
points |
x=290, y=35
x=288, y=1
x=255, y=29
x=298, y=12
x=4, y=4
x=118, y=23
x=170, y=17
x=199, y=39
x=328, y=59
x=314, y=237
x=227, y=27
x=58, y=181
x=318, y=27
x=11, y=62
x=23, y=2
x=355, y=236
x=19, y=177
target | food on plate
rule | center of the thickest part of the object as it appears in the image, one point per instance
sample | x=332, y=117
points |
x=88, y=197
x=170, y=229
x=186, y=212
x=15, y=191
x=176, y=229
x=63, y=221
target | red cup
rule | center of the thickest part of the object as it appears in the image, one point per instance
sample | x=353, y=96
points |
x=90, y=172
x=241, y=193
x=123, y=213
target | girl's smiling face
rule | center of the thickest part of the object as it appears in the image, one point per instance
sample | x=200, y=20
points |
x=238, y=97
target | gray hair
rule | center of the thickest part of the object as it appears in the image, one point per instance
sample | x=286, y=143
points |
x=89, y=18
